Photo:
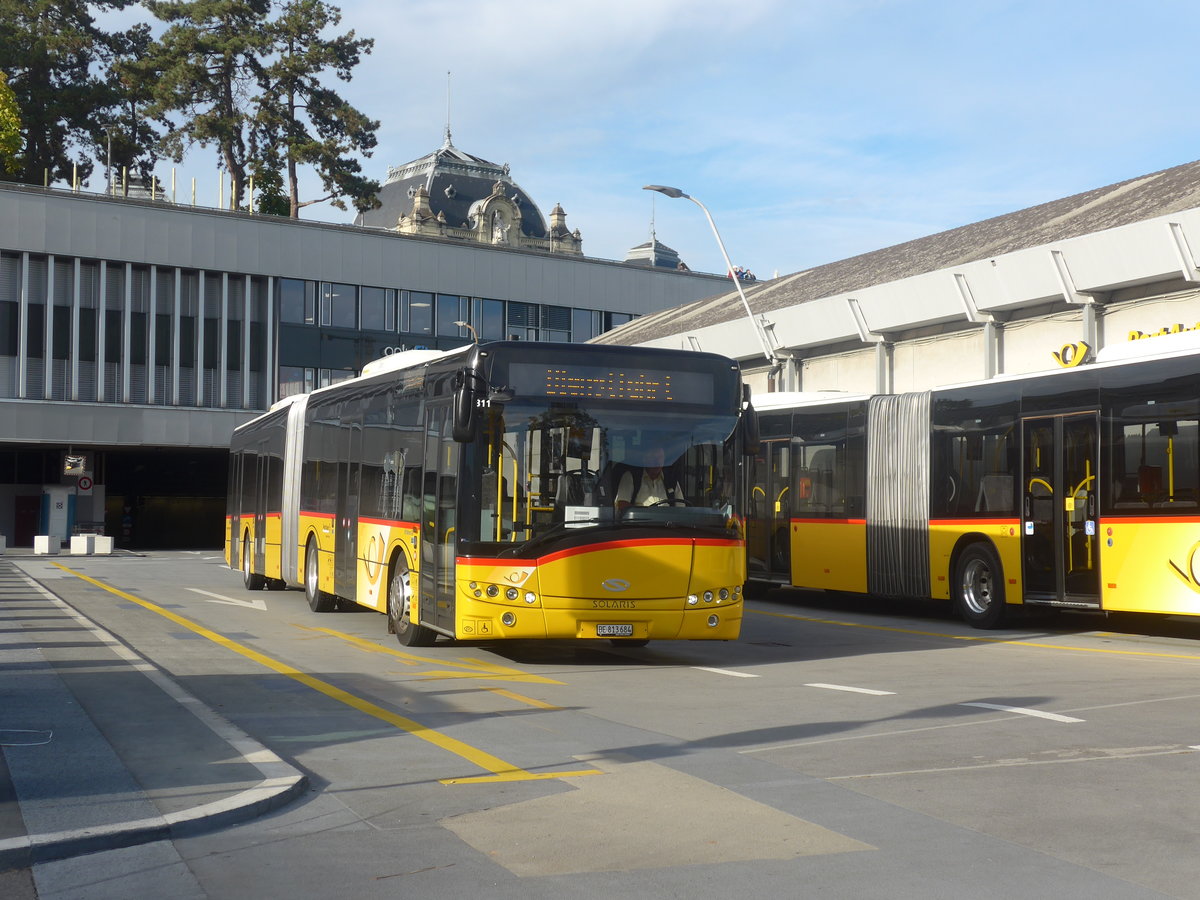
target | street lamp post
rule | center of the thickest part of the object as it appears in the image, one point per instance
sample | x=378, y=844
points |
x=470, y=328
x=675, y=194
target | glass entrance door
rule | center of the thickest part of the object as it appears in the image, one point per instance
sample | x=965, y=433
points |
x=1060, y=546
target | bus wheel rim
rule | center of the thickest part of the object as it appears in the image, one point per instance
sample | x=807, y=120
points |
x=976, y=587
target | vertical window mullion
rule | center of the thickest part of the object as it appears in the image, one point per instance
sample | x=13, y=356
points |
x=127, y=335
x=23, y=331
x=101, y=331
x=48, y=336
x=75, y=354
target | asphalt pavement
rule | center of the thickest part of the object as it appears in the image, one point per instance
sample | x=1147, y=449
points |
x=99, y=749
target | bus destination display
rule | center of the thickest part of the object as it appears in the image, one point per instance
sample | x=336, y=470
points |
x=611, y=383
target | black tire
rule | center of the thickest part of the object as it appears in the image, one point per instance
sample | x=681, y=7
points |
x=978, y=588
x=399, y=610
x=318, y=600
x=252, y=580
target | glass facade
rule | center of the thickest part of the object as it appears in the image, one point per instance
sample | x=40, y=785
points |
x=89, y=330
x=85, y=330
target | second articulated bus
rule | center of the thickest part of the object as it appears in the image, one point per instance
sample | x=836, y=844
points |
x=1077, y=488
x=470, y=494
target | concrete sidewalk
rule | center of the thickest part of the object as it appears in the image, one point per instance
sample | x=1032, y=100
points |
x=99, y=749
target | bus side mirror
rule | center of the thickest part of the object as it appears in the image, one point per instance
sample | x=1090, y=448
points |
x=751, y=442
x=465, y=418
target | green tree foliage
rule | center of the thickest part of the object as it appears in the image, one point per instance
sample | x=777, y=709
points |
x=268, y=192
x=302, y=122
x=10, y=128
x=57, y=62
x=203, y=71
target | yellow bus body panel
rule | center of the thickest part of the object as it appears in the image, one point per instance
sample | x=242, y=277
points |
x=319, y=527
x=830, y=554
x=273, y=549
x=377, y=542
x=1151, y=566
x=648, y=583
x=1005, y=537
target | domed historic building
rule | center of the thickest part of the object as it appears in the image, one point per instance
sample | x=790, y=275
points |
x=452, y=194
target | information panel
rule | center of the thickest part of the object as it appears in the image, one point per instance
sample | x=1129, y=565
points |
x=611, y=383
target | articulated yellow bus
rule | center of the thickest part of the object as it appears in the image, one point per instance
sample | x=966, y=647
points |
x=1077, y=488
x=472, y=494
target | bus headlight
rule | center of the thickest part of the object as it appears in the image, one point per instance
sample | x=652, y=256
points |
x=693, y=599
x=724, y=594
x=492, y=590
x=708, y=596
x=509, y=619
x=511, y=593
x=714, y=621
x=530, y=597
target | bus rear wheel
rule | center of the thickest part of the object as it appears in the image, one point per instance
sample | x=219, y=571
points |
x=252, y=581
x=400, y=610
x=979, y=587
x=318, y=600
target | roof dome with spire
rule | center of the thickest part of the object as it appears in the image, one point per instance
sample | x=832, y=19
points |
x=454, y=181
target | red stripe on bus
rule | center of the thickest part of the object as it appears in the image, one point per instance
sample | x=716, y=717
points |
x=317, y=515
x=609, y=545
x=829, y=521
x=973, y=523
x=1146, y=520
x=398, y=523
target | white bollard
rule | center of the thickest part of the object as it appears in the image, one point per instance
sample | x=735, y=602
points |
x=45, y=544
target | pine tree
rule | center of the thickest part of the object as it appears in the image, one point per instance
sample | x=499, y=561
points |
x=300, y=121
x=56, y=60
x=204, y=69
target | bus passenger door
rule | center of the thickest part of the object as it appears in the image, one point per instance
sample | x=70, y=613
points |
x=439, y=498
x=260, y=509
x=1060, y=544
x=768, y=525
x=345, y=568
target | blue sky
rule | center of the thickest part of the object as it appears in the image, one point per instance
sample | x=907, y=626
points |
x=812, y=131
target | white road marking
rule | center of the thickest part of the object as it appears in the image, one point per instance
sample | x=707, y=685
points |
x=726, y=672
x=253, y=603
x=1019, y=710
x=853, y=690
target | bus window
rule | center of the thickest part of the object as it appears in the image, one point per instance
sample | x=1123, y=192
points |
x=1154, y=464
x=828, y=467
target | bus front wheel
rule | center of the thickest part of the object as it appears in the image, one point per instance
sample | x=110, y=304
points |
x=252, y=581
x=318, y=600
x=400, y=610
x=979, y=587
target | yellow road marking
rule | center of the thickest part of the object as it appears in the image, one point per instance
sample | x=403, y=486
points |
x=521, y=698
x=972, y=637
x=501, y=770
x=475, y=668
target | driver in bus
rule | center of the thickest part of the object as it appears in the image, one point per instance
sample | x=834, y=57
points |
x=651, y=488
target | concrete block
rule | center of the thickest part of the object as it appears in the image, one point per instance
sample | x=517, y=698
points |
x=3, y=544
x=83, y=544
x=46, y=544
x=103, y=544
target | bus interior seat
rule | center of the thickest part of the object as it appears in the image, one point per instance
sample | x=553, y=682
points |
x=995, y=494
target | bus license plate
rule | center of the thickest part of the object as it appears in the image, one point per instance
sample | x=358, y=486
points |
x=614, y=631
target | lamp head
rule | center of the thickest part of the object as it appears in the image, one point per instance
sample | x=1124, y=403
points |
x=672, y=192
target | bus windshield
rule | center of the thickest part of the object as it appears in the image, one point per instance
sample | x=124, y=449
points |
x=546, y=468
